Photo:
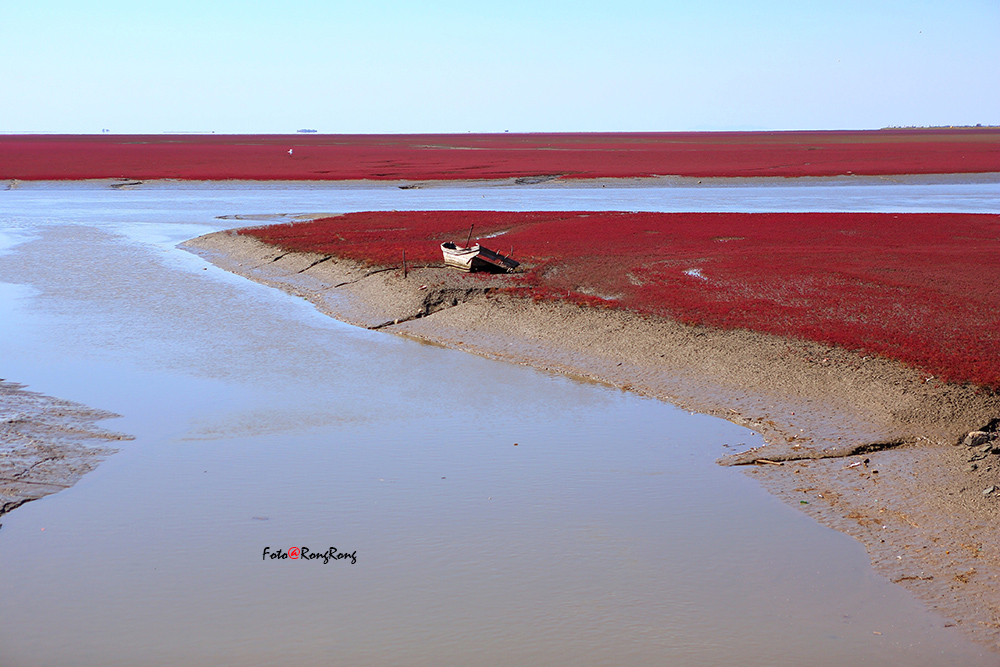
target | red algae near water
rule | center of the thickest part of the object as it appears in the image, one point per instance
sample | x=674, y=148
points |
x=922, y=288
x=500, y=156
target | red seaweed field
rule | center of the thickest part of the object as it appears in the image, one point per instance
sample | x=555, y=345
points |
x=923, y=288
x=499, y=156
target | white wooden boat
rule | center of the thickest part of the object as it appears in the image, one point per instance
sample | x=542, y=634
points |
x=476, y=258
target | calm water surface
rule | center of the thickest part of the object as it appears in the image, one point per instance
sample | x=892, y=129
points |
x=606, y=536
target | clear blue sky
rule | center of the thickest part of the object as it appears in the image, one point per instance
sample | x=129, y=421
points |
x=260, y=66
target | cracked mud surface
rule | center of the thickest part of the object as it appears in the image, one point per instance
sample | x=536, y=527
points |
x=46, y=444
x=924, y=516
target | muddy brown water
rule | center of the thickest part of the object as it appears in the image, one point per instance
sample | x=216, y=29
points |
x=607, y=535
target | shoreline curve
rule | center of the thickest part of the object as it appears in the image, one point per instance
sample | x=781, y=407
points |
x=864, y=445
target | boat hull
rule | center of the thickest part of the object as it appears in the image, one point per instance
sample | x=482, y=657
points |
x=476, y=258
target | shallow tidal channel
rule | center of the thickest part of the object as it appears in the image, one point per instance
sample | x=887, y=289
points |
x=497, y=515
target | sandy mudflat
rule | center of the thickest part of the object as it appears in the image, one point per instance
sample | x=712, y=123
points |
x=46, y=444
x=863, y=444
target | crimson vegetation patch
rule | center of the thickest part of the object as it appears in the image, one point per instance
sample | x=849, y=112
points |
x=923, y=288
x=499, y=156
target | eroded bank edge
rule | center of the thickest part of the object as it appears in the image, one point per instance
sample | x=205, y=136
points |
x=46, y=444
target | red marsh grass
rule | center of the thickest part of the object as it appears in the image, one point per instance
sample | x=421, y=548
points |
x=499, y=156
x=921, y=288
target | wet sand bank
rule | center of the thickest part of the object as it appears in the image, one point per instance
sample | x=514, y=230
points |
x=46, y=444
x=824, y=412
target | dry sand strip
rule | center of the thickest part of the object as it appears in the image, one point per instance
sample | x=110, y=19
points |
x=46, y=444
x=863, y=444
